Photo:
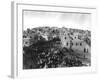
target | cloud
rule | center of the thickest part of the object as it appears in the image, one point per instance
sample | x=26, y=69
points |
x=43, y=18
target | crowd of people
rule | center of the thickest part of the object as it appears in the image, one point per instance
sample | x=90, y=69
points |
x=44, y=56
x=44, y=53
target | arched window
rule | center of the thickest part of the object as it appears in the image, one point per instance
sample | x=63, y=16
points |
x=84, y=50
x=26, y=42
x=24, y=36
x=67, y=43
x=80, y=44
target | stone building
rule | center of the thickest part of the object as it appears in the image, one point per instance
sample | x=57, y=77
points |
x=74, y=42
x=65, y=39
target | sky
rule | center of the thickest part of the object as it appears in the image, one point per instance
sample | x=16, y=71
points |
x=58, y=19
